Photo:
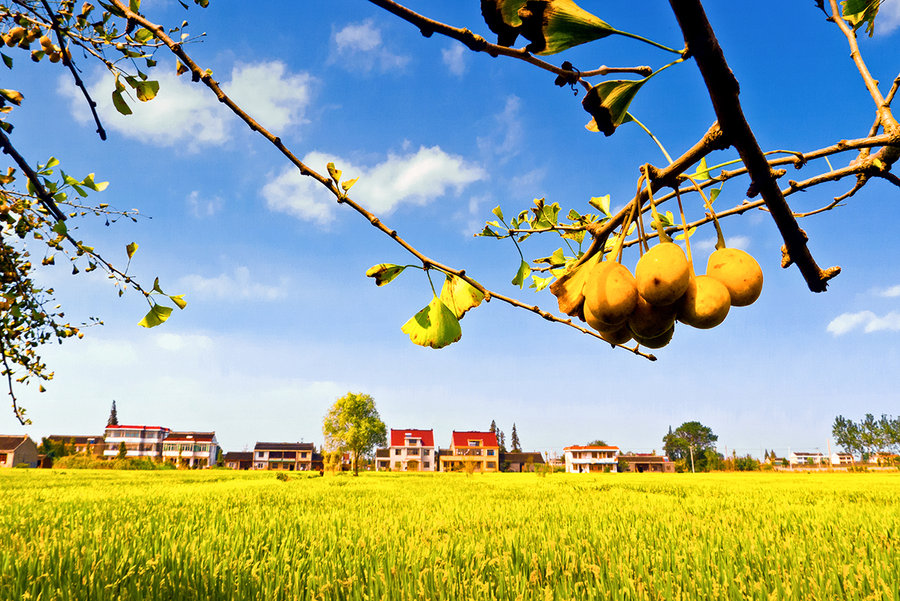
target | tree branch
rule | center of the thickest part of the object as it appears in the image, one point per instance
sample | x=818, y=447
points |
x=477, y=43
x=42, y=194
x=724, y=91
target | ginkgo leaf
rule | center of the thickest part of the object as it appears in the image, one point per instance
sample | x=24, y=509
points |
x=459, y=295
x=131, y=249
x=434, y=326
x=384, y=273
x=157, y=315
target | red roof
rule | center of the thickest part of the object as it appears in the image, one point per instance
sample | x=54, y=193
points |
x=398, y=437
x=461, y=439
x=137, y=428
x=576, y=447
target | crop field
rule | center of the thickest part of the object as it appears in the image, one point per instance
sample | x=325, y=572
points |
x=183, y=535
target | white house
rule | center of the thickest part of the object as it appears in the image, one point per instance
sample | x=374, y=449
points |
x=590, y=459
x=841, y=458
x=139, y=441
x=410, y=451
x=191, y=449
x=805, y=458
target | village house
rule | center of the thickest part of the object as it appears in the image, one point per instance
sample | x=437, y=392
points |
x=805, y=458
x=18, y=450
x=646, y=462
x=238, y=460
x=842, y=459
x=409, y=451
x=477, y=451
x=290, y=456
x=139, y=441
x=520, y=462
x=191, y=449
x=80, y=445
x=590, y=459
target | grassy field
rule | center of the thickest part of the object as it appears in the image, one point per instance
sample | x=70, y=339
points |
x=222, y=535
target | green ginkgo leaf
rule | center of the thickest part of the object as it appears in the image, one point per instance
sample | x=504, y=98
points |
x=556, y=25
x=157, y=315
x=459, y=295
x=502, y=17
x=434, y=326
x=384, y=273
x=608, y=102
x=522, y=274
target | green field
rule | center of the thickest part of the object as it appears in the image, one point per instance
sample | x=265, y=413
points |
x=222, y=535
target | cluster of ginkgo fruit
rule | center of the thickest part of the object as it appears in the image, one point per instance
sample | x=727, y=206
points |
x=663, y=289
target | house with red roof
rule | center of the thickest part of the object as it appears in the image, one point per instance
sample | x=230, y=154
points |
x=191, y=449
x=139, y=441
x=585, y=459
x=410, y=450
x=478, y=451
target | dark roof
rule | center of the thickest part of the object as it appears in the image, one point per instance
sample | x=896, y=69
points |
x=187, y=436
x=75, y=439
x=238, y=456
x=11, y=443
x=522, y=457
x=284, y=446
x=643, y=458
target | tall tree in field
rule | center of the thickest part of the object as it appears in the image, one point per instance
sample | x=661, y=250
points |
x=353, y=424
x=514, y=441
x=690, y=441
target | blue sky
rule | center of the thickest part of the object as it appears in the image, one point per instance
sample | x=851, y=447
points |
x=281, y=320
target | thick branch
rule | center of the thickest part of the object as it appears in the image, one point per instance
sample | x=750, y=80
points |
x=42, y=194
x=724, y=91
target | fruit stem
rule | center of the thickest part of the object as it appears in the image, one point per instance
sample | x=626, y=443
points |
x=684, y=227
x=720, y=238
x=660, y=230
x=653, y=137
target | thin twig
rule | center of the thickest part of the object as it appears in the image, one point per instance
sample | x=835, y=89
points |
x=42, y=194
x=71, y=66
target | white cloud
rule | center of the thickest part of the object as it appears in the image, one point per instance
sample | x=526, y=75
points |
x=414, y=178
x=867, y=320
x=270, y=94
x=358, y=46
x=888, y=18
x=177, y=342
x=187, y=114
x=892, y=292
x=235, y=286
x=455, y=59
x=506, y=138
x=709, y=244
x=203, y=206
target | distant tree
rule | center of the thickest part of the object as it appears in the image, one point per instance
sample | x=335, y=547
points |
x=746, y=464
x=113, y=417
x=514, y=441
x=353, y=424
x=690, y=441
x=597, y=443
x=123, y=451
x=493, y=428
x=501, y=440
x=869, y=436
x=54, y=449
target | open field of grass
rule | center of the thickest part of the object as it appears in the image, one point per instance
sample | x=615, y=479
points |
x=222, y=535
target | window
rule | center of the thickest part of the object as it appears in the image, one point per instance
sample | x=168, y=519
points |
x=490, y=451
x=396, y=451
x=492, y=465
x=426, y=464
x=397, y=465
x=260, y=454
x=474, y=443
x=303, y=455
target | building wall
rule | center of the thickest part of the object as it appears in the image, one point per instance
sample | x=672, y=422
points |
x=24, y=453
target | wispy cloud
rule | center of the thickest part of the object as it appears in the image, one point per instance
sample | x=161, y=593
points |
x=888, y=18
x=202, y=205
x=455, y=59
x=505, y=139
x=867, y=321
x=187, y=115
x=238, y=285
x=415, y=178
x=358, y=46
x=892, y=292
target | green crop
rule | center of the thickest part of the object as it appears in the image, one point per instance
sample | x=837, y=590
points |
x=84, y=535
